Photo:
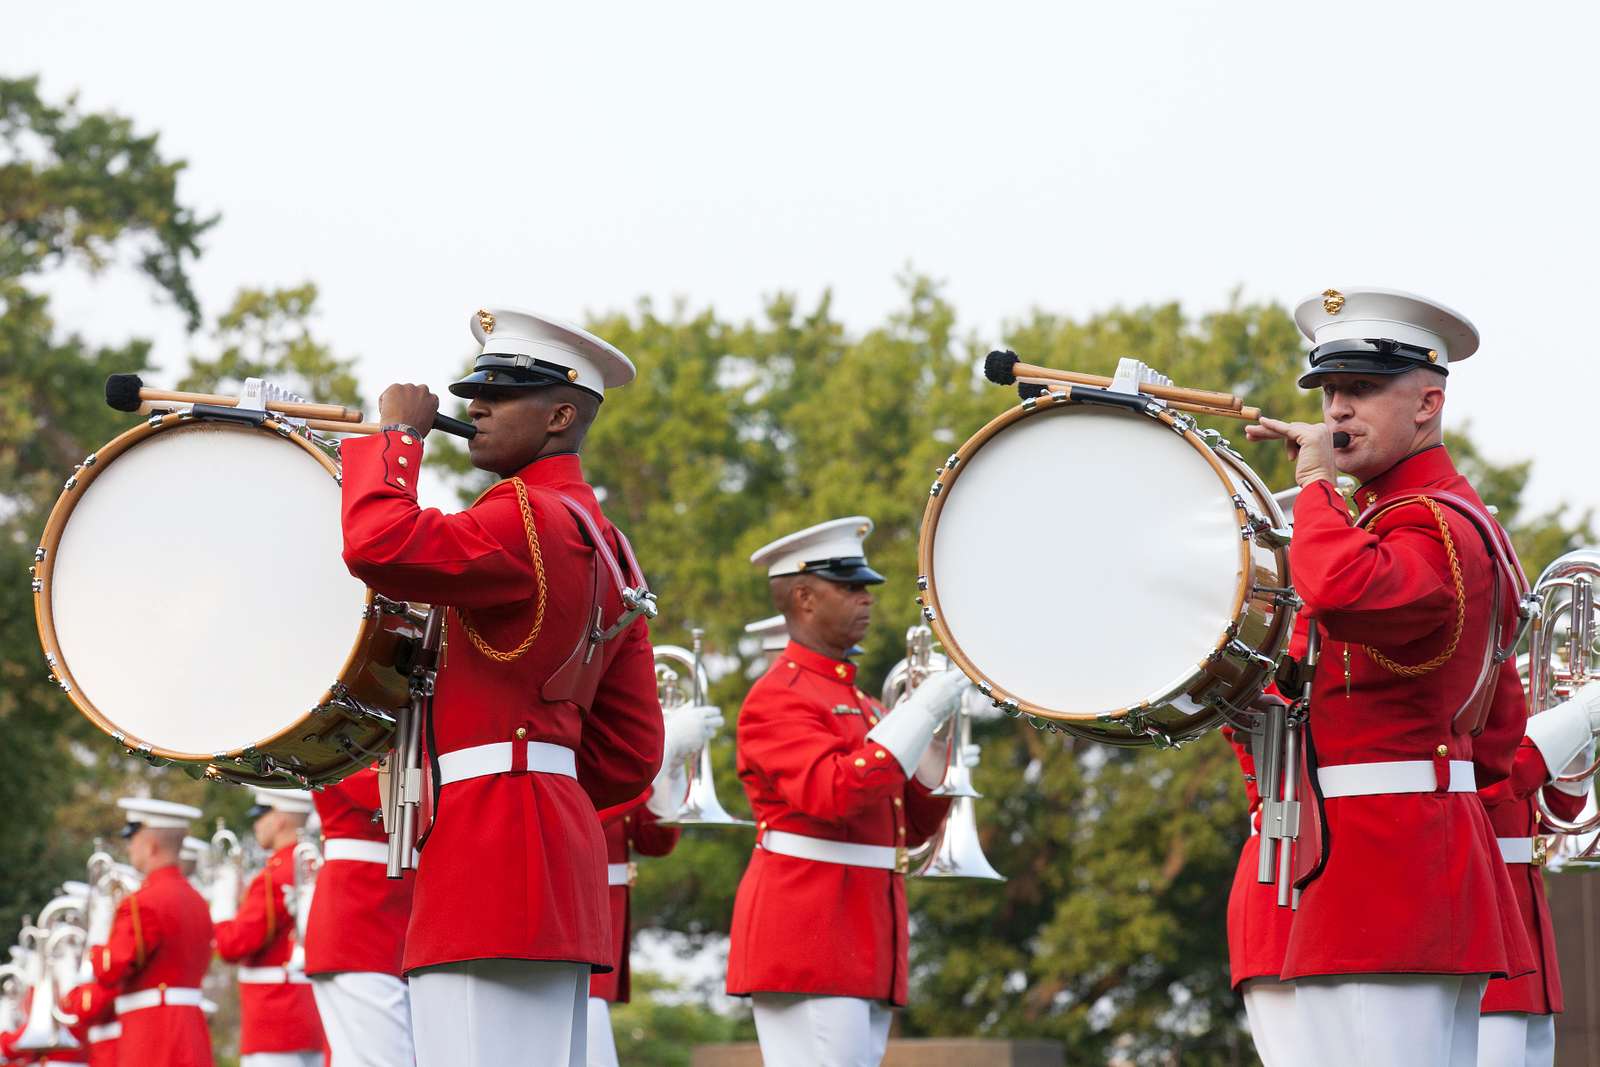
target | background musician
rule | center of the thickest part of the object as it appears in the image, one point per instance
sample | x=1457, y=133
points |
x=355, y=936
x=1406, y=907
x=160, y=945
x=840, y=791
x=537, y=719
x=279, y=1025
x=1517, y=1026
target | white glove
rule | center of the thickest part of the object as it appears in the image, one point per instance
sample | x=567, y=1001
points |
x=225, y=896
x=1565, y=732
x=970, y=755
x=689, y=728
x=1580, y=763
x=909, y=727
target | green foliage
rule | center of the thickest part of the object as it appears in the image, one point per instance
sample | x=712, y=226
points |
x=661, y=1026
x=83, y=186
x=266, y=333
x=1109, y=934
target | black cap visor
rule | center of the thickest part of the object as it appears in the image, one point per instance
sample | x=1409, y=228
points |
x=1356, y=355
x=513, y=372
x=256, y=811
x=846, y=570
x=129, y=829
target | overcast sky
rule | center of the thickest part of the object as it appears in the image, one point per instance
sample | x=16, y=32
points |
x=419, y=161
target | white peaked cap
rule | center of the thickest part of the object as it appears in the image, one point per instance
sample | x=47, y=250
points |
x=194, y=846
x=773, y=633
x=811, y=550
x=522, y=346
x=1366, y=312
x=158, y=814
x=293, y=801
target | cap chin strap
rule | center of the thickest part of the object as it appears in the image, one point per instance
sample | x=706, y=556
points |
x=1379, y=347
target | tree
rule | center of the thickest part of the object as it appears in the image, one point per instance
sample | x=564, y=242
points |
x=81, y=188
x=1109, y=934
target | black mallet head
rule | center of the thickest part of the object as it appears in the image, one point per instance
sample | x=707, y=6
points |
x=122, y=391
x=998, y=367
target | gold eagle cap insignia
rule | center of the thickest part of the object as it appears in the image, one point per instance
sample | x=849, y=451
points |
x=485, y=320
x=1332, y=301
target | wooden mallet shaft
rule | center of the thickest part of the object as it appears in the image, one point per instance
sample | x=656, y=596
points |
x=1243, y=414
x=1203, y=397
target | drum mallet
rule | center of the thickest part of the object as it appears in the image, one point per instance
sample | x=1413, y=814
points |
x=1004, y=368
x=1248, y=414
x=127, y=392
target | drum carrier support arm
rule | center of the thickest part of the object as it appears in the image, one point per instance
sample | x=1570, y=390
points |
x=400, y=772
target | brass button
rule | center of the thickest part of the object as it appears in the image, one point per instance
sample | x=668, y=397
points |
x=405, y=439
x=902, y=830
x=792, y=665
x=162, y=986
x=401, y=479
x=404, y=462
x=522, y=733
x=881, y=754
x=763, y=825
x=872, y=720
x=1442, y=750
x=899, y=803
x=860, y=762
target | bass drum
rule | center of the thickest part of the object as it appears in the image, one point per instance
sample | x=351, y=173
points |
x=192, y=602
x=1104, y=566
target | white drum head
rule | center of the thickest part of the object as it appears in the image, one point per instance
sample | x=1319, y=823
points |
x=199, y=597
x=1086, y=560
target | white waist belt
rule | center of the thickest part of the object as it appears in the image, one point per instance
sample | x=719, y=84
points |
x=272, y=976
x=178, y=997
x=1516, y=849
x=475, y=762
x=1396, y=776
x=783, y=843
x=105, y=1032
x=619, y=873
x=356, y=849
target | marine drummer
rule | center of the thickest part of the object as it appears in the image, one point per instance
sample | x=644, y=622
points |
x=160, y=944
x=538, y=719
x=840, y=790
x=1406, y=908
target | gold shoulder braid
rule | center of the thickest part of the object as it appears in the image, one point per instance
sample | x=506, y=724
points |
x=476, y=638
x=1461, y=606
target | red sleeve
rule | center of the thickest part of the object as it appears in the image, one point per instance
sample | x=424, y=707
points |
x=1564, y=805
x=1386, y=588
x=788, y=740
x=473, y=559
x=1247, y=765
x=925, y=813
x=91, y=1002
x=1528, y=774
x=262, y=913
x=620, y=750
x=649, y=837
x=135, y=934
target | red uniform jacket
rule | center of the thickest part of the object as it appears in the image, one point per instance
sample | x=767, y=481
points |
x=161, y=938
x=1513, y=812
x=633, y=832
x=801, y=926
x=514, y=866
x=1258, y=929
x=1413, y=883
x=274, y=1016
x=358, y=914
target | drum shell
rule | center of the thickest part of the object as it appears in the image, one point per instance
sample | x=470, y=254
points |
x=348, y=727
x=1257, y=629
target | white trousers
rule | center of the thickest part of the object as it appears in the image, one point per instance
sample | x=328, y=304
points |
x=1269, y=1005
x=1512, y=1039
x=602, y=1043
x=367, y=1018
x=494, y=1013
x=802, y=1031
x=1388, y=1020
x=281, y=1059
